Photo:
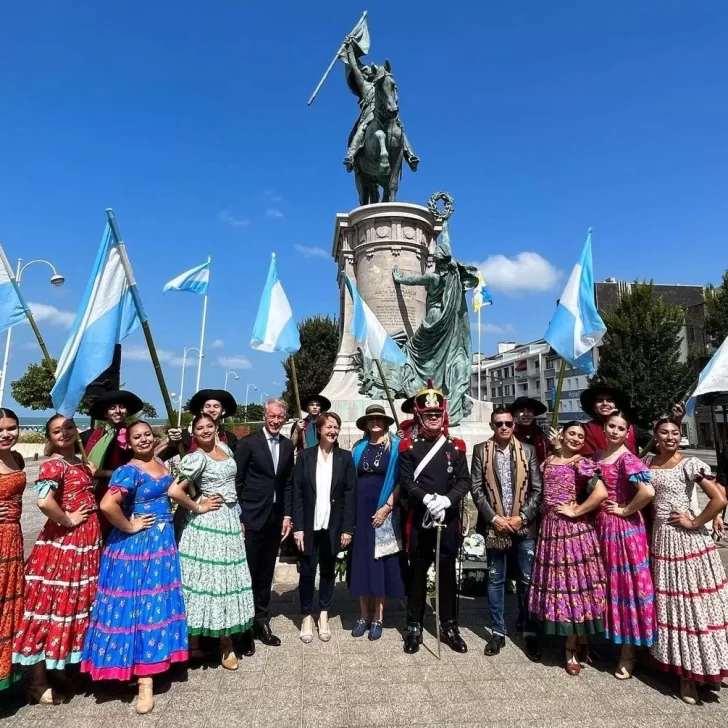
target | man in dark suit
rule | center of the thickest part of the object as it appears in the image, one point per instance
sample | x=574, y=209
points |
x=265, y=484
x=506, y=483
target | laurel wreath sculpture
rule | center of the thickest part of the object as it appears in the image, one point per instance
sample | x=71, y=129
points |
x=447, y=209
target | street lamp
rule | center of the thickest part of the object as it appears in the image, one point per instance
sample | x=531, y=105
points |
x=247, y=392
x=56, y=279
x=182, y=384
x=227, y=374
x=263, y=395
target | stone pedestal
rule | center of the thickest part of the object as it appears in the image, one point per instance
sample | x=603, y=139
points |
x=369, y=242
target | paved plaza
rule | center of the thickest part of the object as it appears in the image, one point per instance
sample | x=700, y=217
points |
x=354, y=682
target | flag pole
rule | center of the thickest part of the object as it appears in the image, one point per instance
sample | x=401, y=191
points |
x=480, y=353
x=387, y=391
x=294, y=379
x=142, y=316
x=557, y=398
x=331, y=66
x=202, y=332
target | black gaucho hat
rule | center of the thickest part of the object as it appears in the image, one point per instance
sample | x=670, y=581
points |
x=306, y=401
x=408, y=406
x=119, y=396
x=537, y=407
x=589, y=397
x=229, y=405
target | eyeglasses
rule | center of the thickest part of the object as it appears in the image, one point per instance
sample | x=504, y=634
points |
x=504, y=423
x=433, y=415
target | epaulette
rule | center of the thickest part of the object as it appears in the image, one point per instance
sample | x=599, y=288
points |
x=405, y=444
x=459, y=444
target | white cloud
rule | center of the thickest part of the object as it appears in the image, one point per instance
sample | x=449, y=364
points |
x=51, y=314
x=274, y=212
x=238, y=222
x=272, y=196
x=234, y=362
x=523, y=273
x=489, y=328
x=136, y=352
x=217, y=344
x=311, y=252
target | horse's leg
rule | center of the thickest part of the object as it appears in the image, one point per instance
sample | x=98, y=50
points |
x=361, y=187
x=383, y=153
x=394, y=178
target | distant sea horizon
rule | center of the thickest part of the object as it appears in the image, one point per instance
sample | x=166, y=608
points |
x=34, y=422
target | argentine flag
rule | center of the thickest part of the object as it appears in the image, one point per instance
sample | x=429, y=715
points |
x=714, y=378
x=106, y=316
x=577, y=327
x=369, y=333
x=13, y=308
x=275, y=328
x=195, y=280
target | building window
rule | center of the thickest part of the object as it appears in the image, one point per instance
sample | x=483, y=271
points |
x=492, y=393
x=549, y=383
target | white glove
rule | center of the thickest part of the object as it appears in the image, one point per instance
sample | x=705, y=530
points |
x=442, y=503
x=430, y=502
x=440, y=517
x=429, y=497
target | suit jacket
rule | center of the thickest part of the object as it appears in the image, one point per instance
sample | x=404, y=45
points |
x=256, y=481
x=343, y=496
x=486, y=511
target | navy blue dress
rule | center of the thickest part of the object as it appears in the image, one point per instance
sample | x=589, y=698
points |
x=370, y=577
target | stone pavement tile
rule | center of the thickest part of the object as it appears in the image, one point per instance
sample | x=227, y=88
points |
x=284, y=660
x=373, y=675
x=289, y=697
x=406, y=712
x=281, y=717
x=371, y=715
x=671, y=721
x=455, y=691
x=321, y=661
x=325, y=716
x=237, y=680
x=363, y=660
x=440, y=673
x=199, y=678
x=282, y=679
x=332, y=679
x=487, y=711
x=401, y=693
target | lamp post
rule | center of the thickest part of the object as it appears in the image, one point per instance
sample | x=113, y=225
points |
x=227, y=374
x=262, y=396
x=56, y=279
x=247, y=399
x=182, y=384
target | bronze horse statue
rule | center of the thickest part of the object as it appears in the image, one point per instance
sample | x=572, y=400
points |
x=379, y=162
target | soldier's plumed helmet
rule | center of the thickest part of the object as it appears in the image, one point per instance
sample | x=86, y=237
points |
x=430, y=399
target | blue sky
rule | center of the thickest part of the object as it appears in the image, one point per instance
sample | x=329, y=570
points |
x=190, y=120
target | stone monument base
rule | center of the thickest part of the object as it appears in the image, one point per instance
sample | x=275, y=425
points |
x=473, y=429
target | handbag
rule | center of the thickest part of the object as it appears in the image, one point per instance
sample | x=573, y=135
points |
x=388, y=538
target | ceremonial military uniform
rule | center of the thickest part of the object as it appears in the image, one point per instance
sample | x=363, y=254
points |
x=436, y=487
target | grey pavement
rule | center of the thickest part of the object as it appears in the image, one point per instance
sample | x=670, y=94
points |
x=354, y=682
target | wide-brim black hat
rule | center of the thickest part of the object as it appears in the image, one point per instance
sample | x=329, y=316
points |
x=229, y=405
x=537, y=407
x=306, y=401
x=589, y=397
x=408, y=406
x=374, y=410
x=118, y=396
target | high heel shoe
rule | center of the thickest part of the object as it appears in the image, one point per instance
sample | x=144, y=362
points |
x=307, y=629
x=323, y=627
x=228, y=658
x=573, y=666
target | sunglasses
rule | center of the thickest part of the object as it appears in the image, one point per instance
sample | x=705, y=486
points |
x=504, y=423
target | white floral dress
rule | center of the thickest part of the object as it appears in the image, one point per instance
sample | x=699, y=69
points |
x=215, y=576
x=691, y=593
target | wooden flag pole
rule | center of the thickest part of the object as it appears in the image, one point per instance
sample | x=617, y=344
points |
x=142, y=317
x=294, y=379
x=557, y=398
x=387, y=392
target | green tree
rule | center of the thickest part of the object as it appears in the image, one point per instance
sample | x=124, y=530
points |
x=641, y=353
x=33, y=390
x=716, y=310
x=254, y=414
x=315, y=360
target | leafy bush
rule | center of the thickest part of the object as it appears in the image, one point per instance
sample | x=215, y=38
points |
x=28, y=437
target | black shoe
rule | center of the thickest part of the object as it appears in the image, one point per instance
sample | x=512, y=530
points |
x=247, y=643
x=450, y=635
x=262, y=632
x=533, y=648
x=413, y=638
x=495, y=644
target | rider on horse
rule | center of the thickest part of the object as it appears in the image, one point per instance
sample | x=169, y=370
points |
x=361, y=79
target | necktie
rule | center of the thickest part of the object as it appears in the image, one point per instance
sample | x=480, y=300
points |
x=274, y=452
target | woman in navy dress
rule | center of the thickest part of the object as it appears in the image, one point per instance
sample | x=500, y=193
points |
x=377, y=564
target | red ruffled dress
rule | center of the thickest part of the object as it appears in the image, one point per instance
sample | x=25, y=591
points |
x=60, y=574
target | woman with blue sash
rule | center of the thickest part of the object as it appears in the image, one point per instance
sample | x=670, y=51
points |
x=377, y=561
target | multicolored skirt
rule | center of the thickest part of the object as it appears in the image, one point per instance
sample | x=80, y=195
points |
x=138, y=622
x=691, y=598
x=567, y=582
x=11, y=597
x=630, y=613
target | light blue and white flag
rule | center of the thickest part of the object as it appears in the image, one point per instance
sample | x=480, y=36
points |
x=577, y=327
x=106, y=316
x=369, y=333
x=195, y=280
x=275, y=328
x=13, y=308
x=481, y=294
x=714, y=378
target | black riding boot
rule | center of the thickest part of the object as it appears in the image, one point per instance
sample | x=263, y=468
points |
x=412, y=638
x=450, y=635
